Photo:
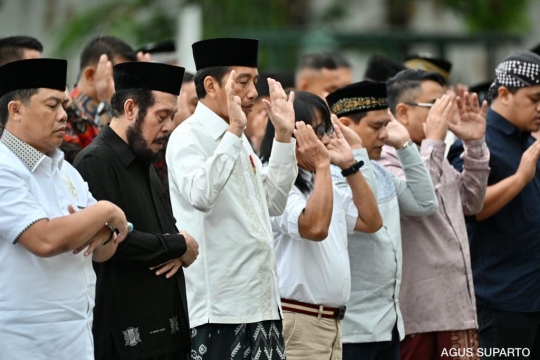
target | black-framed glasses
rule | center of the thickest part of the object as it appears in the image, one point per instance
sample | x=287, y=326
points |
x=421, y=104
x=320, y=130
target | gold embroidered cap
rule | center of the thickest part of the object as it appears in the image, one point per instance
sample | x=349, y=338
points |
x=358, y=97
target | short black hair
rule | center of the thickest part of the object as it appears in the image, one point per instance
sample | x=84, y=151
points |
x=144, y=99
x=408, y=81
x=22, y=95
x=306, y=105
x=357, y=116
x=109, y=45
x=322, y=61
x=12, y=48
x=188, y=77
x=217, y=72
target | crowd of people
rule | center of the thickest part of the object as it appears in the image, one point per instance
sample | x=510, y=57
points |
x=151, y=213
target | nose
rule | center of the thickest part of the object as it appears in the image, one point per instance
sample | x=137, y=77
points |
x=63, y=115
x=325, y=139
x=168, y=126
x=383, y=135
x=252, y=93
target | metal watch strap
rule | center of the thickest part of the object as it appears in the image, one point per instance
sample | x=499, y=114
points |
x=407, y=145
x=353, y=169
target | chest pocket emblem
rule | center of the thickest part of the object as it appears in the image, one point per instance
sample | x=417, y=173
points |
x=70, y=186
x=132, y=336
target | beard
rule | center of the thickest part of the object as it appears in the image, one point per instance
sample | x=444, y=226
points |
x=138, y=143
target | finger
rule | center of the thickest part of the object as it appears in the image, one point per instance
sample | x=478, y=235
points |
x=272, y=89
x=91, y=247
x=475, y=103
x=268, y=108
x=157, y=266
x=447, y=109
x=300, y=133
x=71, y=209
x=460, y=106
x=148, y=57
x=468, y=102
x=311, y=134
x=291, y=97
x=168, y=266
x=80, y=248
x=337, y=130
x=484, y=109
x=174, y=269
x=280, y=91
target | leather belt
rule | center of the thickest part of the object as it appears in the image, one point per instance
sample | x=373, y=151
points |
x=314, y=310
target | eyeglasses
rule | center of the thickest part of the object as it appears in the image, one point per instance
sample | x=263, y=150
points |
x=422, y=104
x=320, y=130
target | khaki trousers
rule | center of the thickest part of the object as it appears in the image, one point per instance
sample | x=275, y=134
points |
x=308, y=337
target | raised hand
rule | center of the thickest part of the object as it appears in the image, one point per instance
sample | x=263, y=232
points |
x=339, y=149
x=397, y=133
x=192, y=250
x=104, y=80
x=472, y=118
x=436, y=125
x=312, y=151
x=280, y=110
x=529, y=160
x=349, y=134
x=237, y=118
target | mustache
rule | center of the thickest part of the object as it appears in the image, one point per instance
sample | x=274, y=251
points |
x=162, y=139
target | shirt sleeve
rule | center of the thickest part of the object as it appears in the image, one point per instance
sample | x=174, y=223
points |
x=198, y=176
x=475, y=176
x=280, y=175
x=150, y=249
x=416, y=194
x=348, y=206
x=287, y=222
x=20, y=209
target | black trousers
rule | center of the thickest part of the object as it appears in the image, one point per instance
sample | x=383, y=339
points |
x=382, y=350
x=508, y=331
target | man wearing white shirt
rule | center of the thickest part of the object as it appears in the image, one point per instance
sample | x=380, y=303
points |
x=219, y=195
x=48, y=283
x=311, y=235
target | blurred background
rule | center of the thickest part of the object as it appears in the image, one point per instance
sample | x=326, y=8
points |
x=473, y=34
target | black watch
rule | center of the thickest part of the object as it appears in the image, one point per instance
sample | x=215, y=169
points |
x=353, y=169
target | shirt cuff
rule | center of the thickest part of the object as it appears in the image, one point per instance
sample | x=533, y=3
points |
x=433, y=146
x=409, y=156
x=476, y=149
x=176, y=244
x=361, y=155
x=283, y=152
x=230, y=145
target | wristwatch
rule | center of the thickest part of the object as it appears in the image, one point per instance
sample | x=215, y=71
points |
x=407, y=145
x=103, y=107
x=353, y=169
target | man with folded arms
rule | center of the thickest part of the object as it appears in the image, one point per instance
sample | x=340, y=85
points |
x=147, y=268
x=51, y=227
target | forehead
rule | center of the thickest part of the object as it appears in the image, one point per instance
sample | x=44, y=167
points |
x=530, y=90
x=430, y=90
x=243, y=70
x=376, y=116
x=164, y=101
x=45, y=93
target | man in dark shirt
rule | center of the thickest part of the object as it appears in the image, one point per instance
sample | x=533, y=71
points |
x=138, y=314
x=505, y=241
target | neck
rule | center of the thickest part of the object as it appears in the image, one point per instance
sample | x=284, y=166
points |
x=212, y=105
x=118, y=128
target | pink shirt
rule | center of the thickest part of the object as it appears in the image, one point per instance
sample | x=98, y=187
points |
x=437, y=292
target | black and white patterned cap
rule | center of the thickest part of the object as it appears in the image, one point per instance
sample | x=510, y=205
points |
x=520, y=69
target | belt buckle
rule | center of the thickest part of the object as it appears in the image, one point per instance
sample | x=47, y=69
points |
x=341, y=312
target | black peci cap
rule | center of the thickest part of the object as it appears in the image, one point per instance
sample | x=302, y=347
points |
x=357, y=97
x=33, y=74
x=226, y=52
x=148, y=75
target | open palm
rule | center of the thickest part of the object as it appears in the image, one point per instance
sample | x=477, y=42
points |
x=472, y=118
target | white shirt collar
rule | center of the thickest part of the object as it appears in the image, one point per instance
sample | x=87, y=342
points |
x=212, y=122
x=30, y=156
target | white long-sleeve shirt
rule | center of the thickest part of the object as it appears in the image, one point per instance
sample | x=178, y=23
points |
x=220, y=200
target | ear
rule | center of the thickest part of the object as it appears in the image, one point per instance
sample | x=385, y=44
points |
x=211, y=86
x=503, y=95
x=14, y=110
x=89, y=73
x=402, y=114
x=130, y=110
x=302, y=84
x=345, y=121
